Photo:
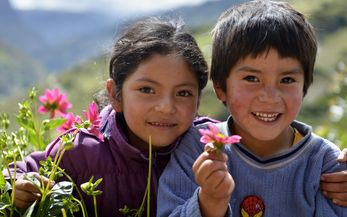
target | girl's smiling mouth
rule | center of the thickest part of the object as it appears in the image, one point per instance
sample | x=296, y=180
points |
x=162, y=124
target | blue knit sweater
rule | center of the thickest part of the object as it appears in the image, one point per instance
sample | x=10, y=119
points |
x=284, y=185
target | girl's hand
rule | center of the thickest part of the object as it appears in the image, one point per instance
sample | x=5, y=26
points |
x=26, y=192
x=334, y=185
x=216, y=183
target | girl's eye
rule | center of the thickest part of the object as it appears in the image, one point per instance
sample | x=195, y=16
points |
x=146, y=90
x=184, y=93
x=251, y=78
x=287, y=80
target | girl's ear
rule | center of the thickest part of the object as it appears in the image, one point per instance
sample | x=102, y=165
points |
x=112, y=96
x=220, y=93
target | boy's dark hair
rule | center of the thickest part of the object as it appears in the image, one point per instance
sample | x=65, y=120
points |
x=144, y=38
x=253, y=28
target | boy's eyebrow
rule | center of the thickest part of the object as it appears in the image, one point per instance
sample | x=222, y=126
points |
x=295, y=70
x=248, y=69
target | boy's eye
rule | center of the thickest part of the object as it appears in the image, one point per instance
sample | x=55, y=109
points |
x=251, y=78
x=287, y=80
x=146, y=90
x=184, y=93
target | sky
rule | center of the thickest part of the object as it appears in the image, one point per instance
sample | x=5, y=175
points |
x=81, y=5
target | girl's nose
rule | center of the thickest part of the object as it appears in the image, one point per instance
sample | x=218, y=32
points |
x=165, y=105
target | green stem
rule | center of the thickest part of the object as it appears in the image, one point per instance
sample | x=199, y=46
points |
x=95, y=208
x=63, y=212
x=37, y=126
x=83, y=207
x=81, y=201
x=147, y=194
x=149, y=177
x=57, y=159
x=46, y=188
x=140, y=210
x=13, y=180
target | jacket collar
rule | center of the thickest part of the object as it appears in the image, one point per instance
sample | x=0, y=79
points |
x=112, y=127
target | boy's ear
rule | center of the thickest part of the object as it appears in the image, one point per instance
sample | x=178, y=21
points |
x=111, y=93
x=220, y=93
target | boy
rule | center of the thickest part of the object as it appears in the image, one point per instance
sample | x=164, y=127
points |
x=262, y=66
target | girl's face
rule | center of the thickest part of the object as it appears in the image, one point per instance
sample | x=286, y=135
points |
x=159, y=99
x=264, y=95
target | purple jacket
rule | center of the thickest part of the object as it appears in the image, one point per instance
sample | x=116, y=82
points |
x=123, y=167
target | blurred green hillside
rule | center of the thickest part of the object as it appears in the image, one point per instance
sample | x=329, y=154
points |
x=324, y=106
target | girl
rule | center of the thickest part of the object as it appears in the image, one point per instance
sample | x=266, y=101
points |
x=157, y=73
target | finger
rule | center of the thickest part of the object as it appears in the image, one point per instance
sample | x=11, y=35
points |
x=220, y=187
x=210, y=173
x=340, y=203
x=199, y=161
x=25, y=185
x=339, y=199
x=23, y=199
x=226, y=187
x=335, y=187
x=343, y=156
x=218, y=157
x=47, y=181
x=22, y=204
x=44, y=179
x=335, y=177
x=208, y=155
x=26, y=196
x=336, y=195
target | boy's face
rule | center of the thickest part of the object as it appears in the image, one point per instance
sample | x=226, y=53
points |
x=159, y=99
x=264, y=95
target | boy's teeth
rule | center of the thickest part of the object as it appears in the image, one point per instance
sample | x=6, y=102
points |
x=266, y=116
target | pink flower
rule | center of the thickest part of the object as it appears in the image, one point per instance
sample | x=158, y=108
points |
x=54, y=103
x=92, y=115
x=71, y=119
x=215, y=140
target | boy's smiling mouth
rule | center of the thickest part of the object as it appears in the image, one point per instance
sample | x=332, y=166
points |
x=267, y=117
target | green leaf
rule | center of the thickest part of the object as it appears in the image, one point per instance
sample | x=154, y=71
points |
x=30, y=210
x=28, y=125
x=52, y=123
x=33, y=139
x=2, y=181
x=61, y=197
x=30, y=177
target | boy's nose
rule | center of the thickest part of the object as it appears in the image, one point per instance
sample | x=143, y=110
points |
x=270, y=94
x=165, y=105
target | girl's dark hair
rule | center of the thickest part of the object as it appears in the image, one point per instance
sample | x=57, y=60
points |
x=253, y=28
x=144, y=38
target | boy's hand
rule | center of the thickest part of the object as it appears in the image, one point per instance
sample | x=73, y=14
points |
x=334, y=185
x=216, y=183
x=26, y=192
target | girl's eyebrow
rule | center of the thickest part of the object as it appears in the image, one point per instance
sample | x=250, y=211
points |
x=186, y=84
x=144, y=79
